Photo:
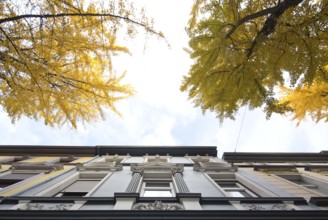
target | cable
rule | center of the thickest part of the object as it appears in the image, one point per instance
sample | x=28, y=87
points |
x=241, y=126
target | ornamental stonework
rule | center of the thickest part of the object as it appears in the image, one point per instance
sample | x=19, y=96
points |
x=158, y=205
x=46, y=206
x=266, y=207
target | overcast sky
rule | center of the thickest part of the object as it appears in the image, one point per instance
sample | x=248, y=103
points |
x=159, y=114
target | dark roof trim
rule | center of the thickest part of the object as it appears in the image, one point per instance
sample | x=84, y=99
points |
x=203, y=200
x=240, y=157
x=319, y=201
x=48, y=150
x=154, y=214
x=260, y=200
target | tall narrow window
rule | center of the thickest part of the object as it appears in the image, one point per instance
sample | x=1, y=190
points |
x=12, y=178
x=78, y=188
x=307, y=182
x=157, y=185
x=160, y=188
x=83, y=185
x=231, y=186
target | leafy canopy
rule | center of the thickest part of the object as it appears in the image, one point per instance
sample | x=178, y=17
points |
x=244, y=49
x=304, y=100
x=56, y=57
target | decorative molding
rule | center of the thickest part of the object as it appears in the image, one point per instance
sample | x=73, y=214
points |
x=214, y=166
x=115, y=158
x=275, y=207
x=156, y=165
x=45, y=166
x=275, y=168
x=100, y=166
x=317, y=168
x=68, y=159
x=46, y=206
x=158, y=205
x=109, y=163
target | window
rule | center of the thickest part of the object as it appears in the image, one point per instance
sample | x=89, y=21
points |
x=157, y=189
x=231, y=186
x=12, y=178
x=157, y=185
x=82, y=185
x=78, y=188
x=307, y=182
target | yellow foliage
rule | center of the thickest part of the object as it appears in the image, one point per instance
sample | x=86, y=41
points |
x=56, y=58
x=242, y=50
x=307, y=100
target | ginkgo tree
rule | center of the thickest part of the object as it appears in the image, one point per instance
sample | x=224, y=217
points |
x=56, y=57
x=307, y=100
x=243, y=50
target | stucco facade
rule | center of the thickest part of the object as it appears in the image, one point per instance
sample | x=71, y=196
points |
x=162, y=182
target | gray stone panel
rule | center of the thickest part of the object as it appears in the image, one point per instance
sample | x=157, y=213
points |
x=117, y=182
x=218, y=207
x=38, y=188
x=198, y=183
x=97, y=207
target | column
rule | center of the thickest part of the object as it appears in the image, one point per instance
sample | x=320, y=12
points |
x=133, y=185
x=189, y=200
x=182, y=187
x=126, y=200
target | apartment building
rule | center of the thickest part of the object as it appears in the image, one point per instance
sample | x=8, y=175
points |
x=160, y=182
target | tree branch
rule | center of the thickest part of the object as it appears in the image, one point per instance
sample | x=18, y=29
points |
x=251, y=17
x=277, y=10
x=127, y=19
x=271, y=22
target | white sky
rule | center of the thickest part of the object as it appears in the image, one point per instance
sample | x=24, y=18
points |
x=159, y=114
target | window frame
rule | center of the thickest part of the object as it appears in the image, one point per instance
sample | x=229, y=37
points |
x=33, y=175
x=157, y=177
x=242, y=184
x=57, y=188
x=145, y=188
x=240, y=188
x=310, y=183
x=65, y=192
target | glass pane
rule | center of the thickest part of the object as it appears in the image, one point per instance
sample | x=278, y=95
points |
x=81, y=186
x=300, y=182
x=67, y=194
x=13, y=178
x=17, y=176
x=157, y=184
x=151, y=193
x=228, y=185
x=235, y=194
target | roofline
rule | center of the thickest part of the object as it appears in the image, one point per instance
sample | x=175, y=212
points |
x=66, y=150
x=240, y=157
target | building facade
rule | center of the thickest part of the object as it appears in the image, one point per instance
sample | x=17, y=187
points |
x=143, y=182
